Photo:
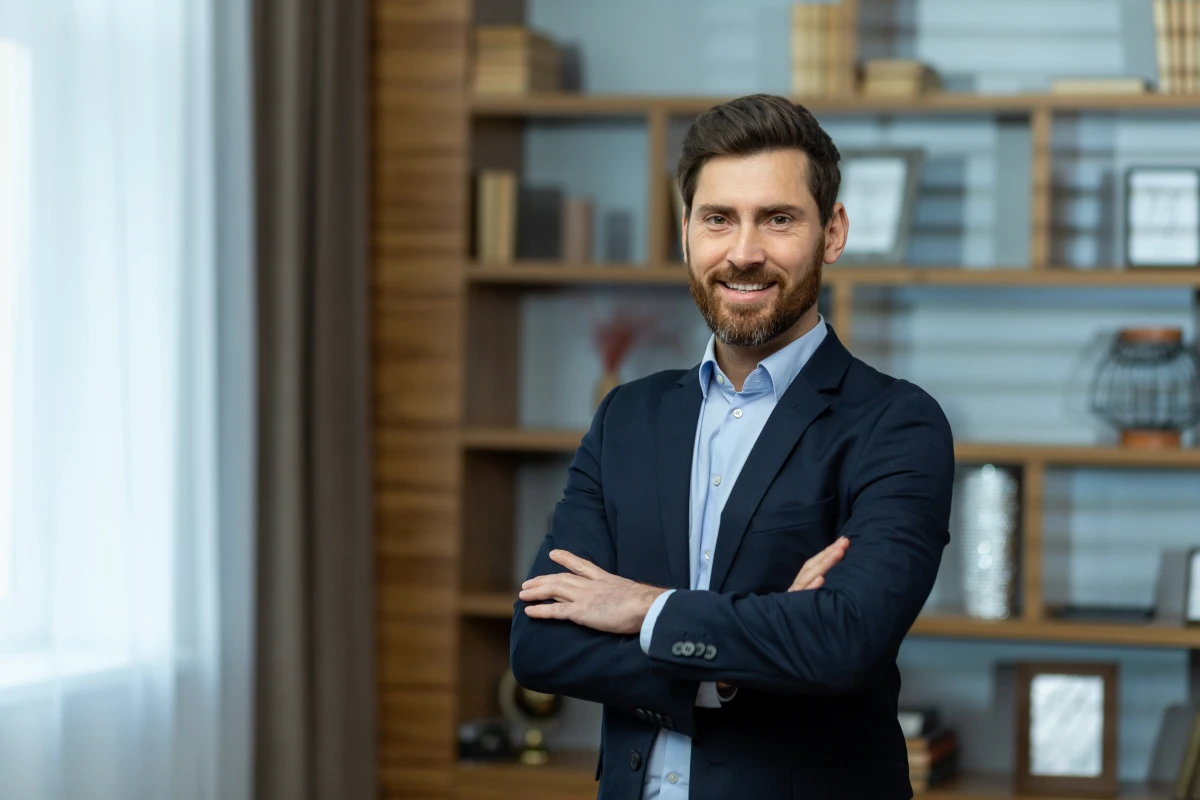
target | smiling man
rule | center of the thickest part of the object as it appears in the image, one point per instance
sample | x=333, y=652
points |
x=742, y=546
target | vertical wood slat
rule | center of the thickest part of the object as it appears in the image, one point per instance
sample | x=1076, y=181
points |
x=659, y=206
x=420, y=164
x=1033, y=486
x=1041, y=130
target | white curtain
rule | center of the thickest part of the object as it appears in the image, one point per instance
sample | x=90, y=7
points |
x=124, y=601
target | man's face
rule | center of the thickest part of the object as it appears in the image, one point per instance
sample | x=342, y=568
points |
x=754, y=245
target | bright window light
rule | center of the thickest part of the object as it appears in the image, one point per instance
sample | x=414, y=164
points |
x=15, y=156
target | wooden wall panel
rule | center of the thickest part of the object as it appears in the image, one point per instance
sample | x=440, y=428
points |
x=420, y=163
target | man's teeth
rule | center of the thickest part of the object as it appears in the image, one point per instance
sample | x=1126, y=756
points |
x=747, y=287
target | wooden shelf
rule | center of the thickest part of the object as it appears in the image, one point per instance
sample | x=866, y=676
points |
x=517, y=440
x=571, y=775
x=585, y=105
x=499, y=605
x=551, y=273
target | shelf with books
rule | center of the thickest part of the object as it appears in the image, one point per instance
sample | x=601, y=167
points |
x=557, y=273
x=565, y=441
x=555, y=104
x=499, y=605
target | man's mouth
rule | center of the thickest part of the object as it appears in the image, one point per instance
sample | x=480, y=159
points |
x=738, y=291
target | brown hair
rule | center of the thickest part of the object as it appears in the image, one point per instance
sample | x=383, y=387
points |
x=755, y=124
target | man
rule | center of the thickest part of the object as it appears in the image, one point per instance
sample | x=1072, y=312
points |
x=667, y=587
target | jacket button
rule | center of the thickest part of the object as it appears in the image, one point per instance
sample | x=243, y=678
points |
x=668, y=723
x=688, y=649
x=710, y=652
x=635, y=760
x=677, y=649
x=699, y=649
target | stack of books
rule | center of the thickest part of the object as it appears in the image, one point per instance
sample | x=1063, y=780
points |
x=823, y=50
x=899, y=78
x=932, y=748
x=512, y=59
x=515, y=221
x=1177, y=39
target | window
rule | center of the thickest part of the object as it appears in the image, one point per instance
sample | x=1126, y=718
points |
x=15, y=157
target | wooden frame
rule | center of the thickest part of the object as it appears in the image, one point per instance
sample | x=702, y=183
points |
x=1102, y=785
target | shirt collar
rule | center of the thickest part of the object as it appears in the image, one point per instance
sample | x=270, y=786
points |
x=779, y=368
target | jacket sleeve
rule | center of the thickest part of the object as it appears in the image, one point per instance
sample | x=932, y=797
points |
x=560, y=657
x=830, y=640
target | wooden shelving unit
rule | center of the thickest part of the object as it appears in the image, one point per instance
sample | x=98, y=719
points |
x=448, y=328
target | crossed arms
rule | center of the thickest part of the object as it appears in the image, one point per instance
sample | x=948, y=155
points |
x=575, y=627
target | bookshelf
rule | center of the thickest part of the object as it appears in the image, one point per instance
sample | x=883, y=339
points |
x=446, y=352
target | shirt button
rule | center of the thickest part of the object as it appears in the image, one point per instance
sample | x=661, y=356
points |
x=673, y=777
x=716, y=480
x=721, y=379
x=737, y=413
x=708, y=555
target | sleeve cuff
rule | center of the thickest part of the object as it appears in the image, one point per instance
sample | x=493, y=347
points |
x=647, y=634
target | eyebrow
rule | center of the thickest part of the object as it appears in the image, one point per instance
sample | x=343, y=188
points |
x=760, y=211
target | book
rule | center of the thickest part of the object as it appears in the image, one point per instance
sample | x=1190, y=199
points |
x=539, y=222
x=577, y=230
x=1186, y=777
x=1099, y=86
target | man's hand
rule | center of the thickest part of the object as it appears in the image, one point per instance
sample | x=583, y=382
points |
x=812, y=574
x=589, y=596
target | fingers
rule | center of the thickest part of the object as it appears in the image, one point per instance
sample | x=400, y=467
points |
x=549, y=611
x=815, y=568
x=559, y=586
x=580, y=566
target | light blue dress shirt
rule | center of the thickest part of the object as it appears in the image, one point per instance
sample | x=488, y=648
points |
x=727, y=429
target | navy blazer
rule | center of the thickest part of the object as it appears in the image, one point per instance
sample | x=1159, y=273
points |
x=848, y=450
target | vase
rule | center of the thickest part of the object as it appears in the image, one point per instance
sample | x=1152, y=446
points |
x=608, y=381
x=988, y=506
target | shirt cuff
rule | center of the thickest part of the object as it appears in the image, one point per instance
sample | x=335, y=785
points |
x=651, y=617
x=707, y=696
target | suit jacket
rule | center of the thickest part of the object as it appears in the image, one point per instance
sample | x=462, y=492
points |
x=848, y=450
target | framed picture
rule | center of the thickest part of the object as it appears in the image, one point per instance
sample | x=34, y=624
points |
x=1067, y=729
x=879, y=190
x=1162, y=217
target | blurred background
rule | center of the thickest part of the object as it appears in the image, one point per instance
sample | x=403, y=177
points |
x=304, y=308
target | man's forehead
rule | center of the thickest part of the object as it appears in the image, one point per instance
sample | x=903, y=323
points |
x=768, y=172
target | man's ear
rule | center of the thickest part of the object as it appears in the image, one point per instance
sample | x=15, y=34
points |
x=837, y=229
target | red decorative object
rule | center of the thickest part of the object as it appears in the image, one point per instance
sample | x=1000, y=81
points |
x=615, y=337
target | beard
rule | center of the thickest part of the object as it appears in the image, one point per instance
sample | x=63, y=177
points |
x=757, y=324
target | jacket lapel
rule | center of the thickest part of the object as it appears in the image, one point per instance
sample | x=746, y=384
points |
x=804, y=401
x=678, y=415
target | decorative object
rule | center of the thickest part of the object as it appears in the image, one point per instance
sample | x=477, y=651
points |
x=988, y=511
x=577, y=230
x=824, y=50
x=1162, y=217
x=484, y=740
x=879, y=190
x=1148, y=387
x=893, y=77
x=1191, y=614
x=529, y=713
x=1100, y=86
x=614, y=338
x=1067, y=729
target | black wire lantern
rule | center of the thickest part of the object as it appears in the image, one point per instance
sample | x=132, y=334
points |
x=1148, y=387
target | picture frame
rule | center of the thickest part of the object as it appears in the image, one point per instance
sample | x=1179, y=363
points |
x=879, y=190
x=1162, y=217
x=1066, y=729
